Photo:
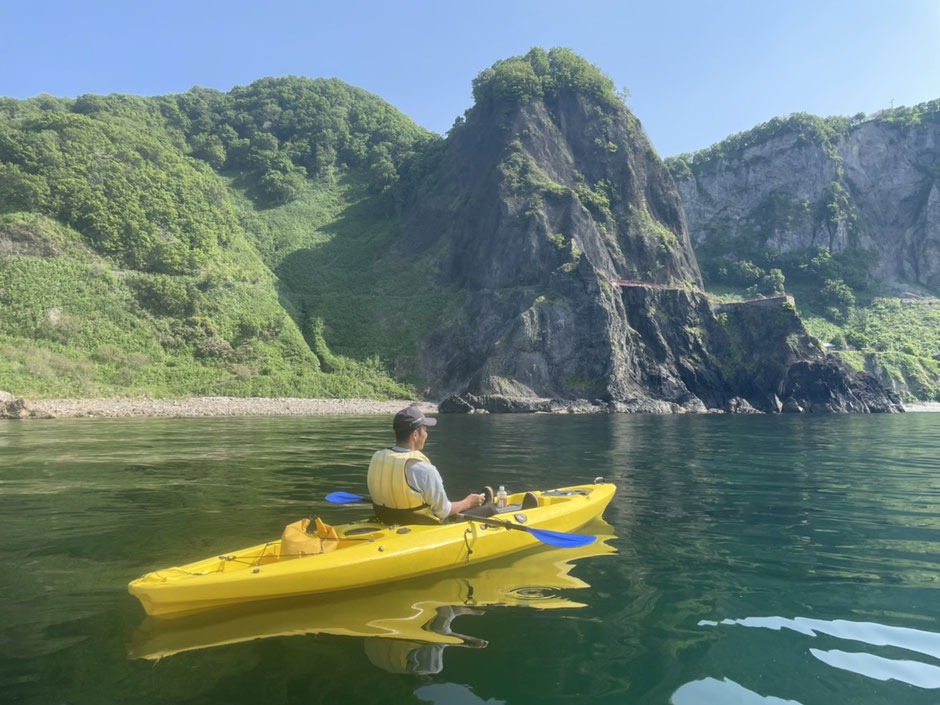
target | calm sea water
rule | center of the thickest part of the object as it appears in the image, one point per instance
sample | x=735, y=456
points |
x=745, y=559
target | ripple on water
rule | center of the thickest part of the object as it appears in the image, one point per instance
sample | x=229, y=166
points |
x=921, y=674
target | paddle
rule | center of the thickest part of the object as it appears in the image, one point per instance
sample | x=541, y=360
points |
x=344, y=498
x=552, y=538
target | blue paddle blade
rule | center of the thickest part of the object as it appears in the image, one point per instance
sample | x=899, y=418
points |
x=343, y=498
x=555, y=538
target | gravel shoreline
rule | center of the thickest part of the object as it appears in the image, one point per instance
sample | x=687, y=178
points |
x=117, y=407
x=923, y=406
x=217, y=406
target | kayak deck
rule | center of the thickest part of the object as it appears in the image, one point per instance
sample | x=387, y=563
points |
x=366, y=553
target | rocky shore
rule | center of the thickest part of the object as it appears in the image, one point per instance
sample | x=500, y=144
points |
x=15, y=408
x=11, y=407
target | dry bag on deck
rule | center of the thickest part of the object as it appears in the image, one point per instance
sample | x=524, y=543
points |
x=296, y=542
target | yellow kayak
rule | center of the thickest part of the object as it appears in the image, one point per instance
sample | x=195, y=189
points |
x=365, y=553
x=406, y=610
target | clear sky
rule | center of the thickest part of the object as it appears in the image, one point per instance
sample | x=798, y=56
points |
x=697, y=70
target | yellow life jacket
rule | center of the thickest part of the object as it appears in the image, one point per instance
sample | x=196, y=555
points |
x=394, y=500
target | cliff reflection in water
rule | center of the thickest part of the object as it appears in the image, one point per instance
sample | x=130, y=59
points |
x=405, y=625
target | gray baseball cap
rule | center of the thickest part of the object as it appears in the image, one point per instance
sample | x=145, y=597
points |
x=410, y=418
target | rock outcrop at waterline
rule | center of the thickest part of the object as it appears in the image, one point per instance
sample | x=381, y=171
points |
x=12, y=407
x=543, y=201
x=689, y=355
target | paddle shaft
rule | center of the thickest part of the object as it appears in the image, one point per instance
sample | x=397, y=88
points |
x=559, y=539
x=494, y=522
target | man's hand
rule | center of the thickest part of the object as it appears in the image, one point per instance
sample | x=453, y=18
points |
x=469, y=502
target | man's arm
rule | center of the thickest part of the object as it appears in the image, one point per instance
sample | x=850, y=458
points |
x=469, y=502
x=426, y=480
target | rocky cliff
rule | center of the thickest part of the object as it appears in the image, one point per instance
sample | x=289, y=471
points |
x=868, y=186
x=547, y=196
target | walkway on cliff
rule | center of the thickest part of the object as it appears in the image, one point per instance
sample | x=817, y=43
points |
x=714, y=300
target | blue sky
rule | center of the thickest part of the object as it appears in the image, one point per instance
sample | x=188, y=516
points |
x=697, y=71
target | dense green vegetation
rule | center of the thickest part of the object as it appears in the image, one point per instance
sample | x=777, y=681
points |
x=896, y=338
x=910, y=116
x=278, y=131
x=205, y=243
x=541, y=74
x=124, y=187
x=740, y=262
x=329, y=250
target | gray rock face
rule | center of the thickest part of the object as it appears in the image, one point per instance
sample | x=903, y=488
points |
x=536, y=211
x=682, y=356
x=776, y=191
x=737, y=405
x=523, y=196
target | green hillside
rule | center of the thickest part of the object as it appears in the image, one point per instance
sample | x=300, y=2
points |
x=207, y=243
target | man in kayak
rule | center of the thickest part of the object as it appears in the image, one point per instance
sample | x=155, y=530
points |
x=405, y=487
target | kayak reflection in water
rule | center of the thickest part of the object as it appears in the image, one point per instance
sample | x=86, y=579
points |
x=422, y=658
x=405, y=487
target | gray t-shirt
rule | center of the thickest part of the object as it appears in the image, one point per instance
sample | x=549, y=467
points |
x=424, y=478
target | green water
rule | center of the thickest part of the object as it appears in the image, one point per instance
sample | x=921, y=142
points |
x=759, y=559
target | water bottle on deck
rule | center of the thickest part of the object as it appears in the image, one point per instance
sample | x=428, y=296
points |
x=501, y=497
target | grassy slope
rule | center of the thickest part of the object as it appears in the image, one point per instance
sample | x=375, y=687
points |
x=901, y=336
x=343, y=279
x=129, y=266
x=74, y=325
